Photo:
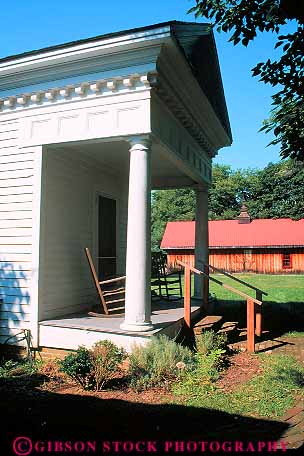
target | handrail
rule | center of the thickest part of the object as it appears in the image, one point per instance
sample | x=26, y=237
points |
x=235, y=278
x=228, y=287
x=254, y=318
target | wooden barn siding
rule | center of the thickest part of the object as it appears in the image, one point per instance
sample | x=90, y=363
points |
x=265, y=261
x=16, y=199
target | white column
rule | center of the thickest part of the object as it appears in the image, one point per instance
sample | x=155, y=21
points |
x=138, y=267
x=201, y=236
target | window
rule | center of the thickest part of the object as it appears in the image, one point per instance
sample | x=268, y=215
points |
x=286, y=261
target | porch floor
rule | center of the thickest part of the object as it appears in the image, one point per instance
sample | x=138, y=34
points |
x=70, y=331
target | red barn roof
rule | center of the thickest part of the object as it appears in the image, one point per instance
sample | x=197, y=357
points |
x=232, y=234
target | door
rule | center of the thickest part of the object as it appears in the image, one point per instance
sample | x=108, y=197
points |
x=106, y=237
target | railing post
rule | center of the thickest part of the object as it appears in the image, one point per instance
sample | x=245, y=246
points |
x=250, y=326
x=187, y=296
x=206, y=288
x=258, y=315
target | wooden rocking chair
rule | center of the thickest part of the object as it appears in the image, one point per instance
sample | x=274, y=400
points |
x=109, y=293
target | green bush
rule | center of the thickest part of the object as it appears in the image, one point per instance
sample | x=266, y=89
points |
x=210, y=361
x=209, y=341
x=106, y=358
x=158, y=363
x=93, y=368
x=79, y=367
x=21, y=368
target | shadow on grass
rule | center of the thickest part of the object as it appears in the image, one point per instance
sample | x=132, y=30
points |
x=42, y=415
x=276, y=318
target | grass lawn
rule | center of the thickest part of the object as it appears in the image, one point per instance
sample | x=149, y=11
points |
x=280, y=288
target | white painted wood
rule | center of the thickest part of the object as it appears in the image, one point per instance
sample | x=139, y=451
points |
x=15, y=199
x=23, y=206
x=12, y=224
x=16, y=157
x=201, y=236
x=16, y=182
x=36, y=249
x=15, y=232
x=17, y=240
x=17, y=190
x=26, y=165
x=16, y=174
x=138, y=267
x=50, y=336
x=15, y=257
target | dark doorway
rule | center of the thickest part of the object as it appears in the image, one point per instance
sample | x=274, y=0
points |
x=106, y=237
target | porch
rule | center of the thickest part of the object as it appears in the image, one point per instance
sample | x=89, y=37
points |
x=72, y=330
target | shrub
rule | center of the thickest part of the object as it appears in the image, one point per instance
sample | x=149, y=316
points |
x=210, y=360
x=23, y=368
x=158, y=363
x=79, y=367
x=93, y=368
x=106, y=358
x=209, y=341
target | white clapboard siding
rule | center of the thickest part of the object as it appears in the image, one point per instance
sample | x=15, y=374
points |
x=17, y=190
x=15, y=308
x=14, y=324
x=24, y=223
x=19, y=198
x=16, y=207
x=9, y=125
x=12, y=283
x=15, y=250
x=14, y=157
x=16, y=182
x=16, y=174
x=16, y=195
x=15, y=232
x=8, y=135
x=16, y=165
x=17, y=240
x=16, y=300
x=13, y=142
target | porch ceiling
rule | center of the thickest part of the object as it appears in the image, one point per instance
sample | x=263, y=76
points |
x=114, y=157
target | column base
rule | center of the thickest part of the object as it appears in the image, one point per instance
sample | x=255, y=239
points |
x=137, y=327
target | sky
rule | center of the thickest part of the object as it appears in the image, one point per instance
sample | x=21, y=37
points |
x=32, y=24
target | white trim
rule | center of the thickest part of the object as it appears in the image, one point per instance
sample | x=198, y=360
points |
x=36, y=242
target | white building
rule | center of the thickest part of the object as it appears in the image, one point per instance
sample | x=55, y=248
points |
x=87, y=129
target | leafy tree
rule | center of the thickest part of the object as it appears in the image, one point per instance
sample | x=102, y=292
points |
x=228, y=190
x=243, y=19
x=278, y=191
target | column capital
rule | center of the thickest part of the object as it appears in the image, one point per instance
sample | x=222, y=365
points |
x=202, y=188
x=140, y=142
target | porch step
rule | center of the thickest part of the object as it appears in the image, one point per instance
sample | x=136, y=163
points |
x=229, y=328
x=207, y=323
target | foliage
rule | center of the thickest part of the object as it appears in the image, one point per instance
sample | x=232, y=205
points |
x=209, y=364
x=209, y=341
x=276, y=191
x=244, y=18
x=106, y=358
x=170, y=205
x=269, y=394
x=158, y=363
x=12, y=368
x=79, y=367
x=93, y=368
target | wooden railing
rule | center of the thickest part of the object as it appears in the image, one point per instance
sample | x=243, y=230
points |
x=254, y=305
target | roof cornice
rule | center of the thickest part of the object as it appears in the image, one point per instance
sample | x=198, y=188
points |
x=73, y=92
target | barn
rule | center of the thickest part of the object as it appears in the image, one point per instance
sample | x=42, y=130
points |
x=267, y=246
